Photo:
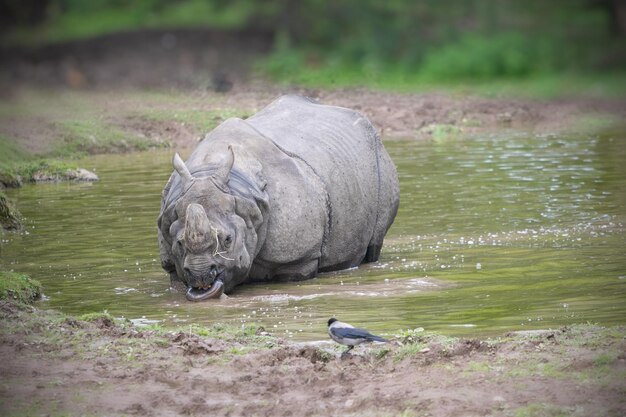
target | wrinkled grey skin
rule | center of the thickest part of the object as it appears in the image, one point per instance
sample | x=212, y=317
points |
x=298, y=188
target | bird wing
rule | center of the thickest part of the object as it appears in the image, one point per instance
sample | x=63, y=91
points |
x=354, y=333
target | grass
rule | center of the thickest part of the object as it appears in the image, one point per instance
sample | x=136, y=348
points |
x=62, y=333
x=442, y=132
x=548, y=410
x=19, y=287
x=415, y=341
x=292, y=68
x=91, y=136
x=73, y=124
x=407, y=351
x=200, y=120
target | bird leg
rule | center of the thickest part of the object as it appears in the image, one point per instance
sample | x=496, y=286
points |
x=346, y=353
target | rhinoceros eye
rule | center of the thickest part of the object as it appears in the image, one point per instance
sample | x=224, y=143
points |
x=179, y=244
x=228, y=240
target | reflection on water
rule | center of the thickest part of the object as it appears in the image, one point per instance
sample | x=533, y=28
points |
x=493, y=234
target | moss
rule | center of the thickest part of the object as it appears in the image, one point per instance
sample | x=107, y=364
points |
x=19, y=287
x=10, y=217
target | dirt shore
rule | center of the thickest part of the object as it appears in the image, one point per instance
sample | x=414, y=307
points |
x=60, y=122
x=63, y=366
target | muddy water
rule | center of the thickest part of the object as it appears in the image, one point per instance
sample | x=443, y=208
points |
x=493, y=234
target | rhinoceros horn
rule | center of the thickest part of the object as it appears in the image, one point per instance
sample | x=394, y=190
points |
x=182, y=170
x=198, y=229
x=222, y=174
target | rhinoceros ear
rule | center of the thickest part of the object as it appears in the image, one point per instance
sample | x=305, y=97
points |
x=182, y=169
x=248, y=211
x=222, y=175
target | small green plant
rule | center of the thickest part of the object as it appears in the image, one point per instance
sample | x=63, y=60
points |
x=325, y=355
x=478, y=367
x=548, y=410
x=408, y=350
x=381, y=353
x=91, y=317
x=605, y=359
x=442, y=132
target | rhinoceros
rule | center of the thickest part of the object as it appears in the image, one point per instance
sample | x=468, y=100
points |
x=296, y=189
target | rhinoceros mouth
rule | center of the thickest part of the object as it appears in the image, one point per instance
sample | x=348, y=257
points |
x=201, y=294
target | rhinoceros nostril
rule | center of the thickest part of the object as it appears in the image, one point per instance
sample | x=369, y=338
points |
x=213, y=271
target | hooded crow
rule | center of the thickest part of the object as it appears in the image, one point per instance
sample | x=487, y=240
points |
x=350, y=336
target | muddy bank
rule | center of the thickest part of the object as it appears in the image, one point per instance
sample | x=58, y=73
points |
x=96, y=366
x=66, y=122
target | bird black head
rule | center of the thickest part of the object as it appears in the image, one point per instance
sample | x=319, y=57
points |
x=331, y=321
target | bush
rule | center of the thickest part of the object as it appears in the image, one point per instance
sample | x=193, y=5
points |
x=508, y=55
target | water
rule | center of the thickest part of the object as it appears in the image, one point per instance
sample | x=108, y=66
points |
x=493, y=234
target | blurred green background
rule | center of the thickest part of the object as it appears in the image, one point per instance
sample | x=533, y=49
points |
x=389, y=43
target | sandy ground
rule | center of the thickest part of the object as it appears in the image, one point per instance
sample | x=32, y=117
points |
x=62, y=366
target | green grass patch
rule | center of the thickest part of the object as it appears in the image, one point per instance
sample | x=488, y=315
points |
x=226, y=332
x=11, y=155
x=478, y=367
x=300, y=68
x=605, y=359
x=97, y=317
x=11, y=152
x=548, y=410
x=202, y=121
x=17, y=166
x=414, y=341
x=407, y=351
x=29, y=170
x=19, y=287
x=442, y=132
x=92, y=136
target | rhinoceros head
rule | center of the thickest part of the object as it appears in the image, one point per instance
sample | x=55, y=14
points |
x=214, y=237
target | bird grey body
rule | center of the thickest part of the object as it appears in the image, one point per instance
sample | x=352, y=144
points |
x=346, y=334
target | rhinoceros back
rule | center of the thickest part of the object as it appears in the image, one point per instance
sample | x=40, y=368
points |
x=343, y=149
